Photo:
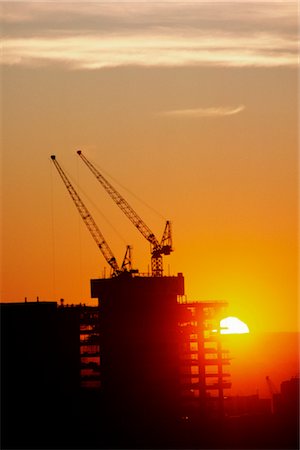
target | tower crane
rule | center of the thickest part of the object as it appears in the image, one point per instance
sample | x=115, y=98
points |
x=275, y=396
x=92, y=226
x=157, y=248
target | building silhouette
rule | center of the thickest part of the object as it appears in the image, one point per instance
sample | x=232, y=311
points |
x=143, y=369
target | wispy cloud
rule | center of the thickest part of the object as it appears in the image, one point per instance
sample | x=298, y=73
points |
x=97, y=35
x=94, y=52
x=214, y=112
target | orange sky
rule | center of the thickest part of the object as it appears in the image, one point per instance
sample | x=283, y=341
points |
x=255, y=356
x=191, y=107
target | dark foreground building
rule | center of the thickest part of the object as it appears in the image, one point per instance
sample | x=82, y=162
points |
x=39, y=371
x=139, y=350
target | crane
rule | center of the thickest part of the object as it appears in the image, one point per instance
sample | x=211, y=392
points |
x=92, y=226
x=275, y=396
x=164, y=247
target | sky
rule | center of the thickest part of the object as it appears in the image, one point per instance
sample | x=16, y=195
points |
x=191, y=108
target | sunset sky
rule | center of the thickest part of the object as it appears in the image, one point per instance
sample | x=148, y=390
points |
x=192, y=106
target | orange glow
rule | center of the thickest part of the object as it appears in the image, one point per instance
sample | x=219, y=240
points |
x=190, y=138
x=254, y=355
x=233, y=325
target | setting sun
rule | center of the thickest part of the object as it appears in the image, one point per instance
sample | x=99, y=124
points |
x=233, y=325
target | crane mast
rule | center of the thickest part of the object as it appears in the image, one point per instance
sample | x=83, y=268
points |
x=273, y=392
x=157, y=248
x=88, y=220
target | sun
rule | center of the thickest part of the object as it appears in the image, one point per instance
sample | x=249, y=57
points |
x=233, y=325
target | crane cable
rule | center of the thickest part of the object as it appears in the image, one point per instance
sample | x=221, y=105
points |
x=53, y=235
x=130, y=192
x=95, y=206
x=80, y=244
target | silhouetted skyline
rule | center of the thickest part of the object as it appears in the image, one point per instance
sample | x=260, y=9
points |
x=104, y=377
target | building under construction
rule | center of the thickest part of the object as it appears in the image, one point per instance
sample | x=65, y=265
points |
x=158, y=350
x=143, y=361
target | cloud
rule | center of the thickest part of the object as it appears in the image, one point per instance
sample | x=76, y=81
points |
x=94, y=52
x=97, y=35
x=218, y=111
